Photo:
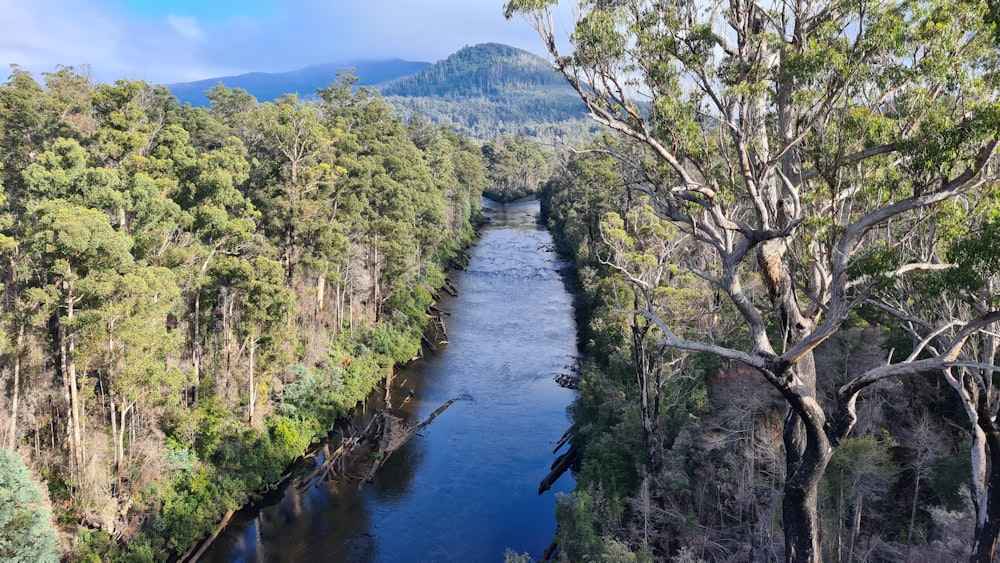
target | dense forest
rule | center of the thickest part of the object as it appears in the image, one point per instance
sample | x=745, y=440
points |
x=490, y=90
x=192, y=296
x=788, y=273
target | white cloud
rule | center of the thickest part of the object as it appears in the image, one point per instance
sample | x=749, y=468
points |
x=40, y=34
x=187, y=27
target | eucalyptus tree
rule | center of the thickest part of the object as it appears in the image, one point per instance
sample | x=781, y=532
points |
x=77, y=251
x=393, y=210
x=26, y=127
x=216, y=219
x=296, y=148
x=799, y=144
x=932, y=308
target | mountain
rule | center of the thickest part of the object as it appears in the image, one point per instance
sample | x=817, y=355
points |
x=484, y=91
x=490, y=89
x=304, y=81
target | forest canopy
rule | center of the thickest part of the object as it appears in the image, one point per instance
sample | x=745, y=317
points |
x=192, y=296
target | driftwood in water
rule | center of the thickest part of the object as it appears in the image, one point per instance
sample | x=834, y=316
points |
x=562, y=441
x=334, y=461
x=436, y=330
x=205, y=544
x=430, y=345
x=388, y=443
x=437, y=311
x=559, y=466
x=460, y=262
x=551, y=551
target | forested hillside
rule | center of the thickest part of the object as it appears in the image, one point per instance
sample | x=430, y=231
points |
x=191, y=296
x=484, y=91
x=489, y=90
x=789, y=281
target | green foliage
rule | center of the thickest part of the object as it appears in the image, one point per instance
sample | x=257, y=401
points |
x=489, y=90
x=579, y=536
x=976, y=258
x=191, y=509
x=26, y=531
x=175, y=263
x=515, y=168
x=950, y=477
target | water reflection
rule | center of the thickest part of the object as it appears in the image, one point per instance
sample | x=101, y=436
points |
x=466, y=488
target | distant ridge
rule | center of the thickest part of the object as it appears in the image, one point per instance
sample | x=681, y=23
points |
x=491, y=89
x=267, y=87
x=483, y=90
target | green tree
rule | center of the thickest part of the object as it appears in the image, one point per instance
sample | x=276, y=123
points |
x=78, y=251
x=297, y=147
x=515, y=167
x=799, y=145
x=26, y=127
x=26, y=531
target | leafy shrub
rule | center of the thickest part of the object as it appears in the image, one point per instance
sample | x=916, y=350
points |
x=26, y=532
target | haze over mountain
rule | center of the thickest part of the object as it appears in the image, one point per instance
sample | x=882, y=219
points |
x=304, y=81
x=483, y=90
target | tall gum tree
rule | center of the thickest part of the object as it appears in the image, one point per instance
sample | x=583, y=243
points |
x=799, y=143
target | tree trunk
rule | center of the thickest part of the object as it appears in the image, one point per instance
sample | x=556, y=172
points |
x=12, y=437
x=807, y=454
x=114, y=433
x=913, y=509
x=253, y=383
x=800, y=520
x=840, y=518
x=69, y=367
x=196, y=344
x=375, y=275
x=227, y=323
x=120, y=459
x=856, y=527
x=988, y=524
x=641, y=361
x=320, y=294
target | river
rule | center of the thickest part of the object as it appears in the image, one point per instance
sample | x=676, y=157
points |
x=466, y=488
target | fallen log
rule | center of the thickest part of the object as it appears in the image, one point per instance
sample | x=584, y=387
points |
x=430, y=345
x=551, y=551
x=334, y=458
x=205, y=544
x=562, y=441
x=394, y=444
x=559, y=466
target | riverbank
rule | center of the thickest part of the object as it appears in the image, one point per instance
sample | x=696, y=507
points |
x=493, y=444
x=376, y=398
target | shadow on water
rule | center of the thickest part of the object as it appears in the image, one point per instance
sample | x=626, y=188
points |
x=465, y=489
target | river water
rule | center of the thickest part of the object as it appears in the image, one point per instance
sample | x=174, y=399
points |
x=466, y=488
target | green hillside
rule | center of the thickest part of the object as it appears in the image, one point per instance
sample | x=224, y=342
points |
x=491, y=89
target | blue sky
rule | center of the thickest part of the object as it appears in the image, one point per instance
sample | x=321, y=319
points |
x=181, y=40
